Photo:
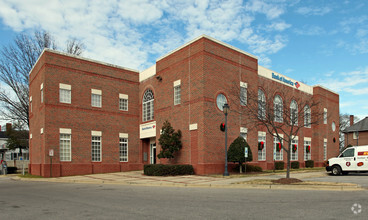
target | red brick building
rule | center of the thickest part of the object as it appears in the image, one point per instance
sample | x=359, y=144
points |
x=357, y=134
x=95, y=117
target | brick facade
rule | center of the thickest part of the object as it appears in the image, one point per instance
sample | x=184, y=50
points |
x=205, y=68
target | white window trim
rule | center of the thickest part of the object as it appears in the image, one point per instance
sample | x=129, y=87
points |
x=30, y=103
x=41, y=92
x=125, y=136
x=264, y=152
x=309, y=155
x=67, y=131
x=243, y=85
x=96, y=91
x=296, y=139
x=126, y=97
x=65, y=86
x=274, y=147
x=177, y=83
x=96, y=134
x=325, y=149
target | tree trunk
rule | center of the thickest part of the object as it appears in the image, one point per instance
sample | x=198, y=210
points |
x=288, y=161
x=240, y=168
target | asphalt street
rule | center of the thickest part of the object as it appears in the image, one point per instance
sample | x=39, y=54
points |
x=46, y=200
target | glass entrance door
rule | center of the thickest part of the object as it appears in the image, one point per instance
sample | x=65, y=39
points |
x=153, y=152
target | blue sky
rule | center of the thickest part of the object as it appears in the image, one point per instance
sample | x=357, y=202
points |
x=316, y=42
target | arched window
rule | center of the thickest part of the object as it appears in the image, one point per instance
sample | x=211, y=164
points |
x=148, y=105
x=307, y=116
x=294, y=113
x=261, y=104
x=278, y=108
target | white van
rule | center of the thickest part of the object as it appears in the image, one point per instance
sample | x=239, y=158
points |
x=352, y=159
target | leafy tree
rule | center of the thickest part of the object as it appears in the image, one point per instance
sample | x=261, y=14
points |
x=170, y=141
x=17, y=138
x=237, y=150
x=16, y=61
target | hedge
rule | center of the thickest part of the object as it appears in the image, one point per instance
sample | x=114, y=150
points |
x=309, y=164
x=279, y=165
x=167, y=170
x=295, y=165
x=250, y=168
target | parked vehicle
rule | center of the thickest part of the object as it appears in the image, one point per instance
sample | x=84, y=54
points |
x=352, y=159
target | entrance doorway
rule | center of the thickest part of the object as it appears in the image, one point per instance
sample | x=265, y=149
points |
x=152, y=152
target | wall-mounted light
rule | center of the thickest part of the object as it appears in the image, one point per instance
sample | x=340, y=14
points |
x=159, y=78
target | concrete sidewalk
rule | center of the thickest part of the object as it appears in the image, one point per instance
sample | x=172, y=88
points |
x=137, y=178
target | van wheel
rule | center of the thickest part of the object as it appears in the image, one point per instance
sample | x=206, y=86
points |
x=336, y=170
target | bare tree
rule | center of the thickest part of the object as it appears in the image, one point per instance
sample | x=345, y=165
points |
x=344, y=123
x=16, y=61
x=281, y=114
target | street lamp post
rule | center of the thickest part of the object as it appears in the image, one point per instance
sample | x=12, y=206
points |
x=226, y=111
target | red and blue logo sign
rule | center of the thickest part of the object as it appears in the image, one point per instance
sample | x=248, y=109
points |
x=297, y=85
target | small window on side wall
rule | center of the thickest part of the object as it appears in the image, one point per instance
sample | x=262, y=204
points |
x=123, y=102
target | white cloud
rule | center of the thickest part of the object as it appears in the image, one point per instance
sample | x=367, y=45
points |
x=354, y=82
x=278, y=26
x=271, y=11
x=311, y=30
x=313, y=11
x=132, y=33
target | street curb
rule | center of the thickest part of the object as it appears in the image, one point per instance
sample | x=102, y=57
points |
x=229, y=186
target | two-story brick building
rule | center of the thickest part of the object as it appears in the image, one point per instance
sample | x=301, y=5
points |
x=95, y=117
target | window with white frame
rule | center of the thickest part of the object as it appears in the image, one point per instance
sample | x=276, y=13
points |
x=65, y=150
x=65, y=93
x=294, y=113
x=41, y=92
x=261, y=104
x=278, y=108
x=243, y=133
x=243, y=93
x=355, y=135
x=177, y=92
x=307, y=116
x=30, y=103
x=261, y=146
x=325, y=116
x=96, y=146
x=123, y=102
x=123, y=147
x=96, y=96
x=148, y=108
x=324, y=149
x=307, y=148
x=276, y=149
x=294, y=149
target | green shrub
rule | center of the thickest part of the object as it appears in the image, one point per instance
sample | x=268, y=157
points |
x=309, y=164
x=250, y=168
x=294, y=165
x=167, y=170
x=279, y=165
